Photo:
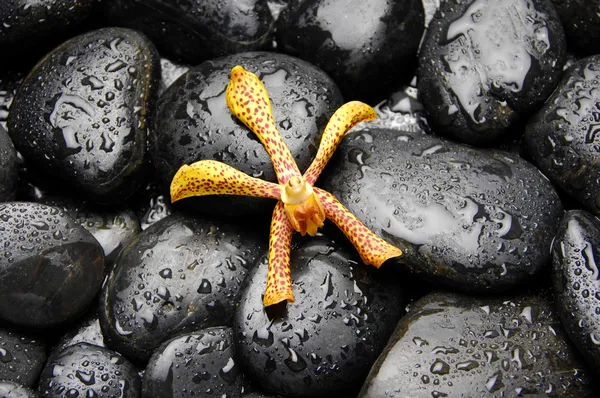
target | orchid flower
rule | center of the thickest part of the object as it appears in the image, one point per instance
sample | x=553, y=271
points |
x=301, y=206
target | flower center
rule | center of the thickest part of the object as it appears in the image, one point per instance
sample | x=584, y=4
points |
x=296, y=191
x=302, y=207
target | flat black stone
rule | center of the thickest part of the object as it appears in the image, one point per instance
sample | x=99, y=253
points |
x=475, y=219
x=179, y=275
x=581, y=21
x=450, y=345
x=21, y=358
x=80, y=116
x=51, y=267
x=324, y=343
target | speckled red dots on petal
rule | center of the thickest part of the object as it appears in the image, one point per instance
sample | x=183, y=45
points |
x=301, y=207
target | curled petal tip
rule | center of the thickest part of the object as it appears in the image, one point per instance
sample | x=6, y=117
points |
x=177, y=188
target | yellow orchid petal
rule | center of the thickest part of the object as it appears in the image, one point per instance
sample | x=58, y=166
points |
x=279, y=278
x=346, y=117
x=249, y=101
x=209, y=177
x=372, y=249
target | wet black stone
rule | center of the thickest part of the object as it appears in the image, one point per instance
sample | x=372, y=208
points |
x=485, y=65
x=324, y=343
x=450, y=345
x=193, y=123
x=51, y=267
x=581, y=22
x=179, y=275
x=476, y=219
x=193, y=31
x=113, y=228
x=9, y=169
x=9, y=389
x=169, y=72
x=194, y=364
x=80, y=116
x=86, y=330
x=30, y=28
x=21, y=358
x=562, y=137
x=86, y=370
x=368, y=48
x=9, y=83
x=577, y=282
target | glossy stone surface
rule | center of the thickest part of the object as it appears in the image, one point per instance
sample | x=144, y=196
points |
x=80, y=116
x=368, y=48
x=37, y=25
x=562, y=137
x=194, y=123
x=193, y=31
x=179, y=275
x=50, y=269
x=324, y=343
x=475, y=219
x=581, y=21
x=196, y=364
x=9, y=169
x=21, y=358
x=484, y=65
x=576, y=281
x=450, y=345
x=85, y=370
x=11, y=389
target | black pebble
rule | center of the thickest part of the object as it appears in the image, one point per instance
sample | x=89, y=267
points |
x=9, y=169
x=21, y=358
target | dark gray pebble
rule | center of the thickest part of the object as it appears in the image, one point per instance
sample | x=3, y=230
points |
x=9, y=389
x=195, y=365
x=179, y=275
x=80, y=116
x=577, y=281
x=50, y=268
x=9, y=169
x=485, y=65
x=21, y=358
x=324, y=343
x=450, y=345
x=476, y=219
x=86, y=370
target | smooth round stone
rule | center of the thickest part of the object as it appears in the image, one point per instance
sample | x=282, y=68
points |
x=193, y=123
x=179, y=275
x=562, y=137
x=80, y=116
x=450, y=345
x=112, y=228
x=86, y=370
x=30, y=27
x=486, y=64
x=475, y=219
x=9, y=169
x=193, y=31
x=21, y=358
x=50, y=269
x=581, y=22
x=325, y=342
x=194, y=365
x=368, y=48
x=576, y=281
x=9, y=389
x=86, y=330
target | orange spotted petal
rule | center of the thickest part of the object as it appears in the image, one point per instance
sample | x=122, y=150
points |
x=249, y=101
x=209, y=177
x=372, y=249
x=346, y=117
x=279, y=278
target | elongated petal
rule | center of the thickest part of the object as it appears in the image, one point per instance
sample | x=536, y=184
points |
x=346, y=117
x=279, y=279
x=372, y=249
x=209, y=177
x=249, y=101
